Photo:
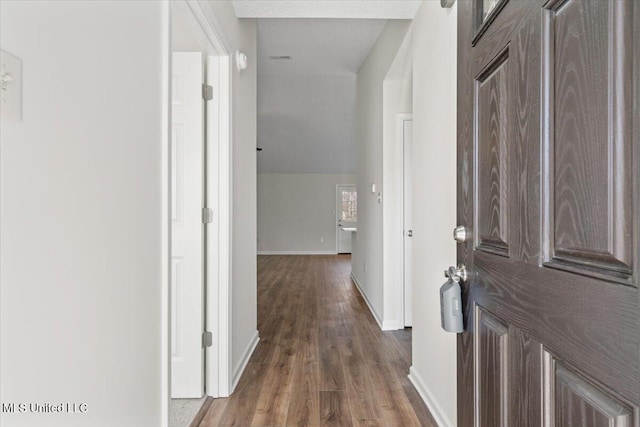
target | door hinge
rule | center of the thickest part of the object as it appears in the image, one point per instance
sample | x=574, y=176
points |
x=207, y=215
x=207, y=339
x=207, y=92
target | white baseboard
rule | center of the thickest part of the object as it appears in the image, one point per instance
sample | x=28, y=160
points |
x=297, y=253
x=364, y=296
x=392, y=325
x=433, y=405
x=239, y=369
x=385, y=325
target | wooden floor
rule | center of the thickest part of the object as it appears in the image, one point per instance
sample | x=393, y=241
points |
x=322, y=359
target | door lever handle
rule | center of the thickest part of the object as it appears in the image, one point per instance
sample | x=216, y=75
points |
x=458, y=274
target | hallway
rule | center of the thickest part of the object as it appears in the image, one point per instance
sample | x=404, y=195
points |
x=322, y=359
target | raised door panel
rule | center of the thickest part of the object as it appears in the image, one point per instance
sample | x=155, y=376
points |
x=492, y=134
x=587, y=54
x=571, y=400
x=492, y=353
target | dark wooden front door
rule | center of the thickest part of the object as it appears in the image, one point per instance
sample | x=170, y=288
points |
x=548, y=155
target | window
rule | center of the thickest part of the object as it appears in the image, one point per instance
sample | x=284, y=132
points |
x=349, y=206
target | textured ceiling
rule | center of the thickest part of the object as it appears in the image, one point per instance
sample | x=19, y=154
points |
x=316, y=46
x=361, y=9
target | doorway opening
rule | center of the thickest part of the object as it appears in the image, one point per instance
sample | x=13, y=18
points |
x=196, y=337
x=346, y=217
x=397, y=174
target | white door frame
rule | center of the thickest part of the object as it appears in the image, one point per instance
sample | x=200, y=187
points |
x=338, y=210
x=399, y=168
x=218, y=196
x=393, y=218
x=407, y=206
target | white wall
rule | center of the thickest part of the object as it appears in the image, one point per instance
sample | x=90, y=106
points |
x=81, y=203
x=295, y=211
x=434, y=203
x=240, y=34
x=368, y=241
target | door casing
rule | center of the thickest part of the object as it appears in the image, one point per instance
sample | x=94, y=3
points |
x=338, y=220
x=218, y=378
x=407, y=199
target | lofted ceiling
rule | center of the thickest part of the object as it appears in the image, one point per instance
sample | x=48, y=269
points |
x=309, y=53
x=306, y=104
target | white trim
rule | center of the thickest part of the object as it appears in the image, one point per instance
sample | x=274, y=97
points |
x=401, y=118
x=225, y=224
x=385, y=325
x=393, y=224
x=434, y=407
x=165, y=231
x=210, y=28
x=336, y=223
x=392, y=325
x=297, y=253
x=218, y=258
x=239, y=369
x=337, y=217
x=364, y=296
x=218, y=303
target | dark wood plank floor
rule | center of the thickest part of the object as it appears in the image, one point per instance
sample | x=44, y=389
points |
x=322, y=359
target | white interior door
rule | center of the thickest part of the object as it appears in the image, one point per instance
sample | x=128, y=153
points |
x=408, y=220
x=347, y=216
x=187, y=190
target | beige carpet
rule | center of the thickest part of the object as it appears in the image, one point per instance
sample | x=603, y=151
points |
x=182, y=411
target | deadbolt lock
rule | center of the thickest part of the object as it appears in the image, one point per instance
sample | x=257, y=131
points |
x=461, y=234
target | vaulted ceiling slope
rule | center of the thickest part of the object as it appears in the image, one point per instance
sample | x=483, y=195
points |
x=306, y=104
x=309, y=53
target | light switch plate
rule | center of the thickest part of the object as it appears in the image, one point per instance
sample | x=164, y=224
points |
x=10, y=86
